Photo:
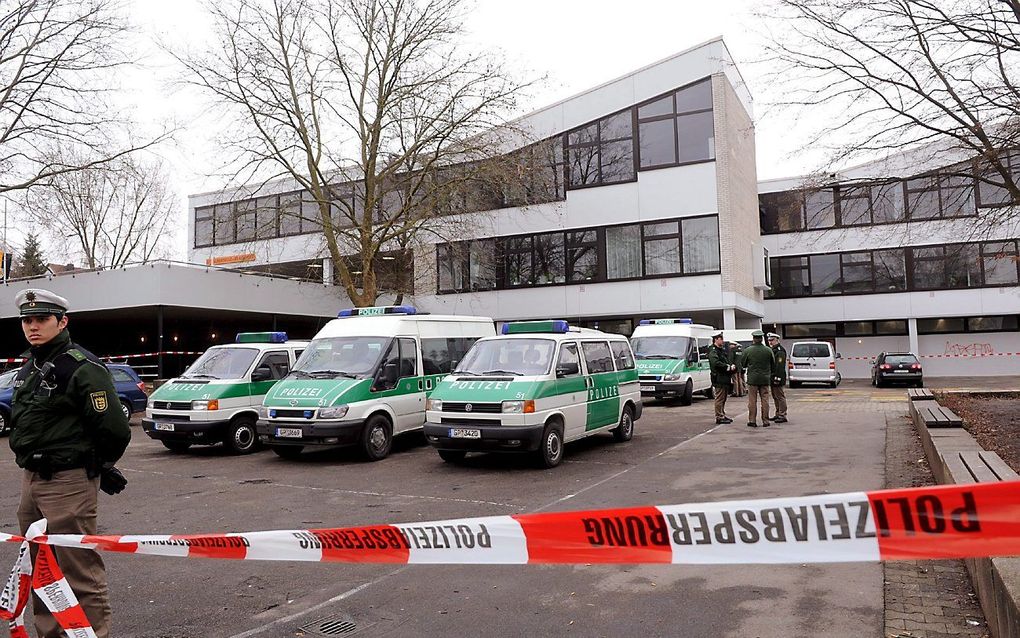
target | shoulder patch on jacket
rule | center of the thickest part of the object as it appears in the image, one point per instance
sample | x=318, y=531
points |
x=77, y=354
x=99, y=402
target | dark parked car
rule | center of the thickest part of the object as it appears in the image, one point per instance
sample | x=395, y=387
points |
x=896, y=367
x=130, y=392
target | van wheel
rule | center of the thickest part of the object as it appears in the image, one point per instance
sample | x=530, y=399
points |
x=377, y=438
x=709, y=393
x=288, y=451
x=241, y=437
x=550, y=453
x=625, y=431
x=688, y=396
x=177, y=447
x=452, y=456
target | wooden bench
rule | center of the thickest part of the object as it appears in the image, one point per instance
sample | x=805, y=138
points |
x=937, y=416
x=920, y=394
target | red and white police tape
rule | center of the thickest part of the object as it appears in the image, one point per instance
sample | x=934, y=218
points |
x=952, y=521
x=119, y=356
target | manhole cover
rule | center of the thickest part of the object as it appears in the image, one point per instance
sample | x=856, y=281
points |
x=337, y=625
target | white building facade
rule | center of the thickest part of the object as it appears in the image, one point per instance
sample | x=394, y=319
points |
x=648, y=209
x=908, y=254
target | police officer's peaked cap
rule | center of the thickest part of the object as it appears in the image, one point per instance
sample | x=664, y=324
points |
x=757, y=333
x=717, y=334
x=35, y=301
x=772, y=335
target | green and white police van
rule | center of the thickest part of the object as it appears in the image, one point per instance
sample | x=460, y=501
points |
x=539, y=385
x=217, y=399
x=364, y=378
x=672, y=358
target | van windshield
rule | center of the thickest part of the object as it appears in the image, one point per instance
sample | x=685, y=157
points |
x=332, y=357
x=661, y=347
x=516, y=357
x=222, y=363
x=816, y=350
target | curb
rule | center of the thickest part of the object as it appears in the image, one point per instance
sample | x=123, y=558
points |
x=956, y=457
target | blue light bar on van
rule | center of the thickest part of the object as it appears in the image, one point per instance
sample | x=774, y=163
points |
x=526, y=327
x=377, y=311
x=661, y=322
x=261, y=337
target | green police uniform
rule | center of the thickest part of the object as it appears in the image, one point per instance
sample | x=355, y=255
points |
x=779, y=379
x=720, y=364
x=65, y=411
x=759, y=363
x=67, y=430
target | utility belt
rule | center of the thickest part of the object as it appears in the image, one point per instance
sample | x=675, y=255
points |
x=44, y=465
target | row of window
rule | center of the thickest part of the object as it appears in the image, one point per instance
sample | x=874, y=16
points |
x=688, y=246
x=943, y=267
x=898, y=327
x=666, y=131
x=599, y=356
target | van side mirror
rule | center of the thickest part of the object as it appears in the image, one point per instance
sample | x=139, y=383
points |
x=839, y=356
x=261, y=373
x=387, y=377
x=567, y=369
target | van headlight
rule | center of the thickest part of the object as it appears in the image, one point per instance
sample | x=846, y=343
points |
x=210, y=404
x=434, y=404
x=263, y=412
x=336, y=412
x=519, y=407
x=671, y=377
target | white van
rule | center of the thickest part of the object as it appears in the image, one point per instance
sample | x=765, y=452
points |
x=813, y=362
x=672, y=358
x=364, y=378
x=540, y=385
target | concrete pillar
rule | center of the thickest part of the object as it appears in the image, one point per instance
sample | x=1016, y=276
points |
x=912, y=334
x=729, y=319
x=327, y=271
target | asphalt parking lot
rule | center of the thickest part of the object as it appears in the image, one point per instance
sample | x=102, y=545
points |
x=833, y=443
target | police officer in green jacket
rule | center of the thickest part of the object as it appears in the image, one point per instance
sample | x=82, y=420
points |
x=722, y=369
x=760, y=364
x=67, y=431
x=778, y=377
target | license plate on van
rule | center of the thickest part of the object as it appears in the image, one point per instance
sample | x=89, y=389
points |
x=288, y=433
x=648, y=388
x=163, y=427
x=465, y=433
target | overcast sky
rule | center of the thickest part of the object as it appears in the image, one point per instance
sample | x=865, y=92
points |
x=575, y=44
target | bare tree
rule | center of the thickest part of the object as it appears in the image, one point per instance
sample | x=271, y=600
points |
x=376, y=109
x=107, y=215
x=58, y=60
x=939, y=76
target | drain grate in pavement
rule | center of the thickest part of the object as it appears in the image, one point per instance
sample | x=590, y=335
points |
x=337, y=625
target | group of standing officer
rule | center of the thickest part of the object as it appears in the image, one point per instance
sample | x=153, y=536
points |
x=765, y=367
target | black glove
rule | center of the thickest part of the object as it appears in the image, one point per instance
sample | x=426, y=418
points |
x=112, y=481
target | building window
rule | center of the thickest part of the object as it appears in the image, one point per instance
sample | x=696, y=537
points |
x=466, y=266
x=582, y=256
x=781, y=212
x=549, y=261
x=891, y=327
x=203, y=227
x=602, y=152
x=224, y=224
x=992, y=191
x=887, y=203
x=890, y=269
x=929, y=268
x=963, y=266
x=450, y=260
x=858, y=273
x=623, y=252
x=677, y=128
x=662, y=248
x=802, y=330
x=700, y=245
x=517, y=261
x=939, y=326
x=246, y=222
x=791, y=278
x=819, y=209
x=825, y=274
x=858, y=328
x=923, y=198
x=855, y=205
x=992, y=324
x=999, y=263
